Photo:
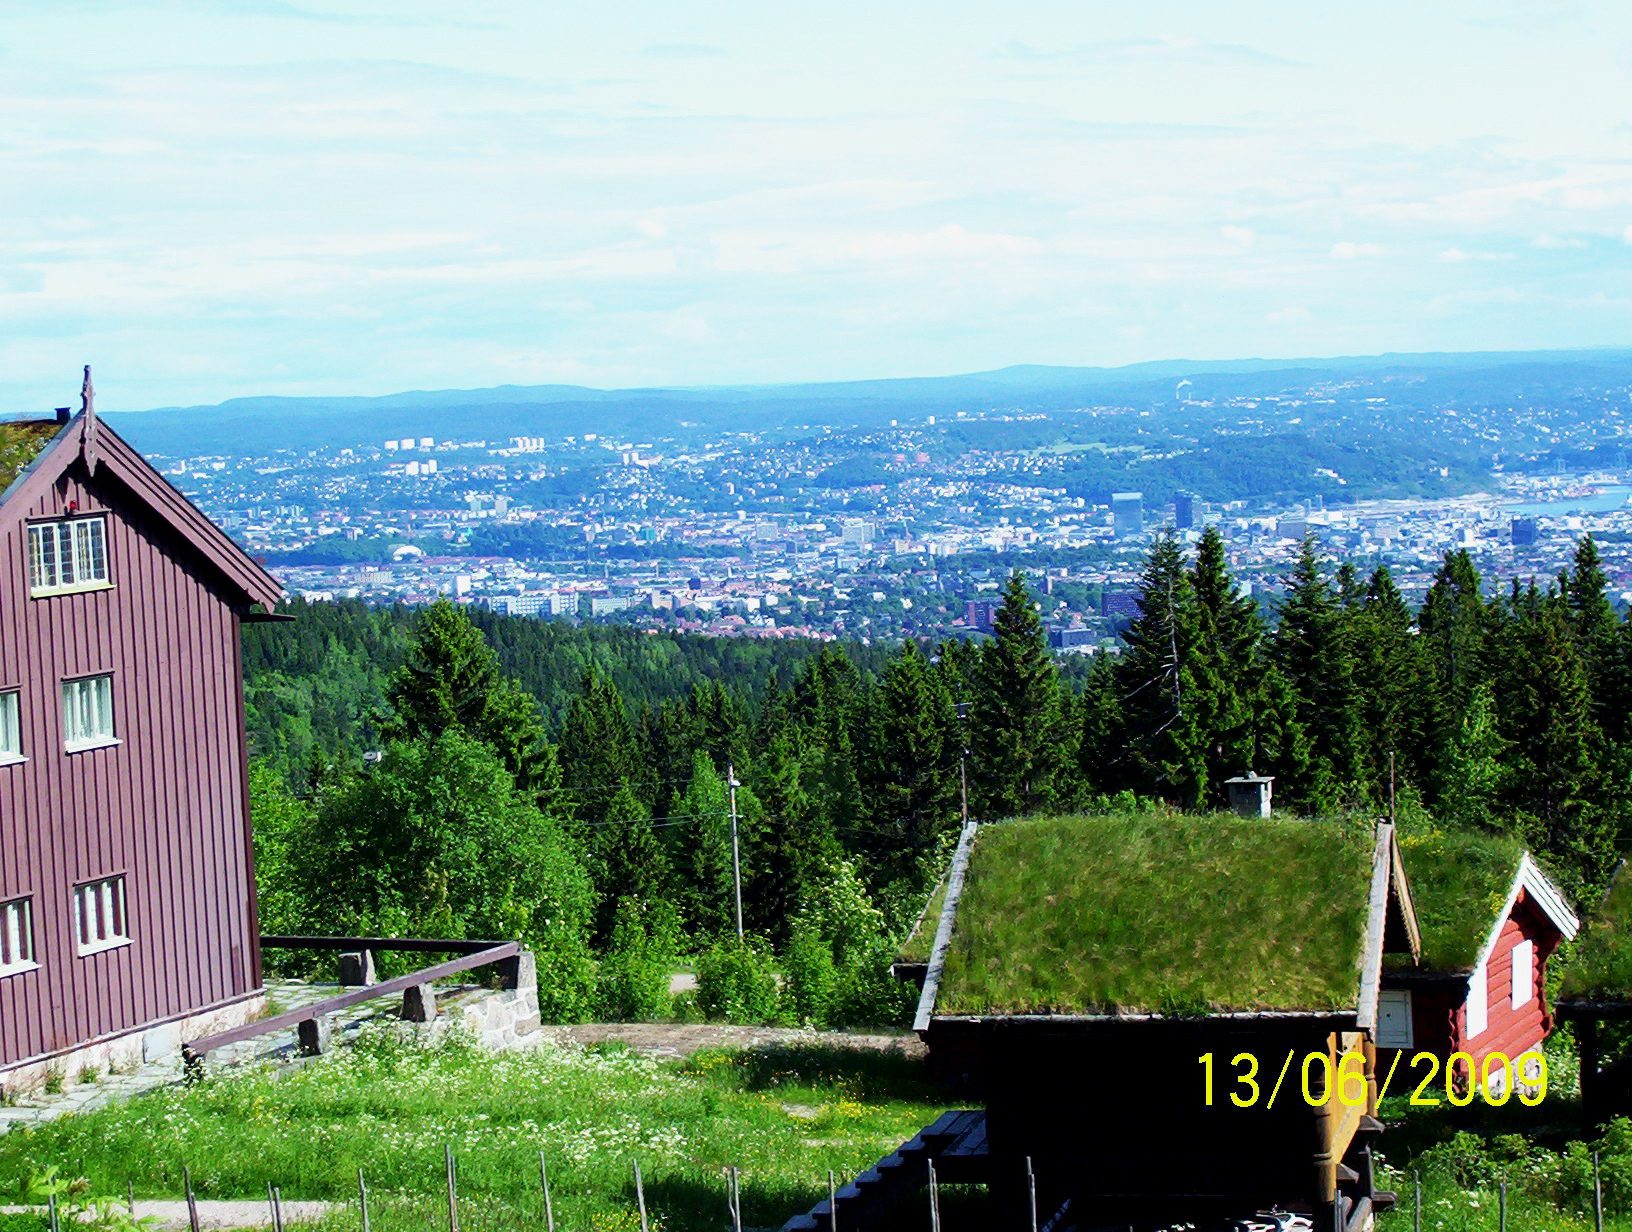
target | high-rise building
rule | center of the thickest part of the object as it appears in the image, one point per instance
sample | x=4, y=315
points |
x=1127, y=513
x=1184, y=511
x=1524, y=532
x=980, y=614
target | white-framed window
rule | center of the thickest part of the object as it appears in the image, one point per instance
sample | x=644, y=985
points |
x=99, y=915
x=1524, y=973
x=87, y=713
x=67, y=555
x=1477, y=992
x=16, y=936
x=11, y=727
x=1394, y=1019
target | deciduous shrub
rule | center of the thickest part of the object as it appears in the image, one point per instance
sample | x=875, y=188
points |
x=735, y=983
x=633, y=985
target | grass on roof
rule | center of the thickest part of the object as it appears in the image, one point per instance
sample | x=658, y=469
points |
x=1601, y=969
x=916, y=948
x=1459, y=882
x=20, y=444
x=1160, y=912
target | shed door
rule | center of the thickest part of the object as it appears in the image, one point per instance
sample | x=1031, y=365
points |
x=1394, y=1019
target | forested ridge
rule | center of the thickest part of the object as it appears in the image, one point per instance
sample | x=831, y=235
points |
x=569, y=784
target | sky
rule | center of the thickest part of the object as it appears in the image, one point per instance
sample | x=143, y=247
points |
x=214, y=200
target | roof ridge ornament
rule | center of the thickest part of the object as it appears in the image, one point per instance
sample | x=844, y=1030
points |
x=87, y=408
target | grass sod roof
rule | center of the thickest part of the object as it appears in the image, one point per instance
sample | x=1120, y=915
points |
x=1459, y=883
x=916, y=948
x=1160, y=913
x=1601, y=969
x=20, y=443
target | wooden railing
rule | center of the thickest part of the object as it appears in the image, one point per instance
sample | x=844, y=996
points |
x=310, y=1021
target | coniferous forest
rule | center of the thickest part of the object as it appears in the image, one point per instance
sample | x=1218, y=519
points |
x=449, y=773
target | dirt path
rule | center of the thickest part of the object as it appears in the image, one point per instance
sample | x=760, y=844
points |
x=682, y=1039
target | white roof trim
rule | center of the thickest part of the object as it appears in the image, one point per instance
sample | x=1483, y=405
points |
x=1544, y=894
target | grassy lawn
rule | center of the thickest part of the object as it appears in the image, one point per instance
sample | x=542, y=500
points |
x=784, y=1116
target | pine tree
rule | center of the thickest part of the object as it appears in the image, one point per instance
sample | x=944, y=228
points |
x=1162, y=700
x=1019, y=734
x=598, y=753
x=1455, y=625
x=1313, y=647
x=1391, y=676
x=1228, y=635
x=700, y=847
x=628, y=860
x=451, y=679
x=1470, y=772
x=912, y=768
x=793, y=845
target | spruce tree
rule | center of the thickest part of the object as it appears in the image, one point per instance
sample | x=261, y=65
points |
x=628, y=860
x=1228, y=636
x=793, y=845
x=1391, y=675
x=913, y=766
x=451, y=679
x=1019, y=736
x=1313, y=647
x=1163, y=703
x=599, y=756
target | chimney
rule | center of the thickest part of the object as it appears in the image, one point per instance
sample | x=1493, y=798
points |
x=63, y=414
x=1250, y=794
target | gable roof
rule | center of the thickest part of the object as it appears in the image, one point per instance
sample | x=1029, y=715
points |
x=86, y=438
x=1466, y=884
x=1163, y=913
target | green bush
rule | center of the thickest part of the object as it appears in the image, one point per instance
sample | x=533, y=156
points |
x=634, y=979
x=735, y=983
x=811, y=977
x=867, y=995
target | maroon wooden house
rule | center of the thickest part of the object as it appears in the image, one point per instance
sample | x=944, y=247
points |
x=127, y=892
x=1480, y=985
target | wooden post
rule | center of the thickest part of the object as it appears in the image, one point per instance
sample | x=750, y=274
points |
x=1587, y=1034
x=934, y=1201
x=362, y=1197
x=1416, y=1188
x=277, y=1207
x=736, y=1200
x=1031, y=1187
x=640, y=1198
x=544, y=1181
x=51, y=1206
x=1597, y=1196
x=271, y=1206
x=1501, y=1205
x=192, y=1204
x=453, y=1190
x=130, y=1198
x=832, y=1204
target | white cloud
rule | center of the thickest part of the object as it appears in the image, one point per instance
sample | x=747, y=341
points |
x=1547, y=240
x=1627, y=234
x=1297, y=314
x=1349, y=250
x=1241, y=236
x=1458, y=254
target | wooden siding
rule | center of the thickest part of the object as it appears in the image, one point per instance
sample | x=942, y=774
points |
x=166, y=807
x=1509, y=1030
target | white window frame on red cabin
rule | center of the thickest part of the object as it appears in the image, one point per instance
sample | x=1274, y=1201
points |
x=1524, y=975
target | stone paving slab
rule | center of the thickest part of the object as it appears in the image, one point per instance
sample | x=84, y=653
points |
x=211, y=1213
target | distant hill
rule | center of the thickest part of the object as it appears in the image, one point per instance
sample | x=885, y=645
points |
x=570, y=410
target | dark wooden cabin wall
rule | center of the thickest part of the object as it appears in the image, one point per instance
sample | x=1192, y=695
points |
x=165, y=807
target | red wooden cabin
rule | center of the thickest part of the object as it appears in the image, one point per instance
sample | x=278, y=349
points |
x=1483, y=1000
x=127, y=891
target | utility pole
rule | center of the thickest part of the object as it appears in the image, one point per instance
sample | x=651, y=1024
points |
x=736, y=859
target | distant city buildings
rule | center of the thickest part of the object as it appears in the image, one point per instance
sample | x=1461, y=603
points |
x=1184, y=511
x=1127, y=513
x=1523, y=531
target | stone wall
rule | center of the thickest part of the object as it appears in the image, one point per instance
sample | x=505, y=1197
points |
x=148, y=1045
x=500, y=1019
